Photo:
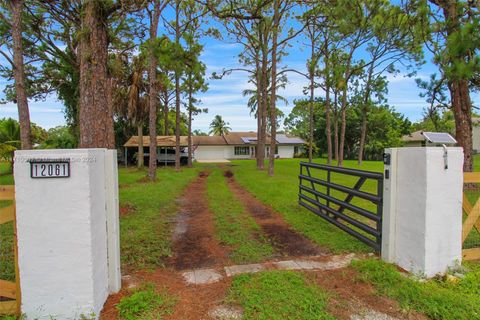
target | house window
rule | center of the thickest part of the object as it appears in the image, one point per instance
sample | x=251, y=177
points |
x=295, y=150
x=276, y=149
x=242, y=151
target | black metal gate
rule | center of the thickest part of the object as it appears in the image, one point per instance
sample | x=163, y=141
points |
x=350, y=199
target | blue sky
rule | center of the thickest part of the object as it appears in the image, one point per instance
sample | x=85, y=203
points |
x=224, y=96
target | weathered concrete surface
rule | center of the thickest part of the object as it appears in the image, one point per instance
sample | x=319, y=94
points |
x=246, y=268
x=372, y=315
x=287, y=265
x=226, y=313
x=202, y=276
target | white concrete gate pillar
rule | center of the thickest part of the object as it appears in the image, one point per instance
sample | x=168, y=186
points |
x=68, y=231
x=422, y=219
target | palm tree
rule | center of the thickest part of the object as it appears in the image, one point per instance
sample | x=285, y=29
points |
x=219, y=127
x=252, y=101
x=131, y=99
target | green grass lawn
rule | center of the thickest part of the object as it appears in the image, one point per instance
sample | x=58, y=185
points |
x=233, y=226
x=278, y=295
x=145, y=303
x=146, y=230
x=146, y=243
x=473, y=239
x=6, y=176
x=281, y=193
x=5, y=168
x=438, y=299
x=7, y=266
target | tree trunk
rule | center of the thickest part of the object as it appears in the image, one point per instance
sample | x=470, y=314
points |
x=96, y=120
x=177, y=121
x=335, y=125
x=140, y=154
x=343, y=127
x=366, y=102
x=177, y=91
x=273, y=97
x=261, y=140
x=328, y=125
x=110, y=133
x=259, y=154
x=312, y=101
x=153, y=94
x=190, y=112
x=19, y=74
x=462, y=107
x=265, y=96
x=459, y=92
x=328, y=122
x=165, y=111
x=363, y=135
x=341, y=147
x=343, y=111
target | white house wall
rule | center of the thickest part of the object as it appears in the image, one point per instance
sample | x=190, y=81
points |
x=476, y=138
x=228, y=152
x=286, y=151
x=210, y=152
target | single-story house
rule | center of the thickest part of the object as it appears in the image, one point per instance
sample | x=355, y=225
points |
x=476, y=135
x=234, y=145
x=420, y=139
x=416, y=139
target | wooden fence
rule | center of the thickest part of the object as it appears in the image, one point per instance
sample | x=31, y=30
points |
x=9, y=290
x=472, y=221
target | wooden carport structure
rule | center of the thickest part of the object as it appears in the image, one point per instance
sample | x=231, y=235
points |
x=162, y=142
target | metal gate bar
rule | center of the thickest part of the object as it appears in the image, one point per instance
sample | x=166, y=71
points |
x=363, y=223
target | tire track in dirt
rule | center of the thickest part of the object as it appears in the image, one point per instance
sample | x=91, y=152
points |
x=285, y=240
x=194, y=243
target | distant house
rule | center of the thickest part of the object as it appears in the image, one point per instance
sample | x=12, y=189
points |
x=476, y=135
x=416, y=139
x=234, y=145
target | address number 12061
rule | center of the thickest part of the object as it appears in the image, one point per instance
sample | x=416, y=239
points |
x=50, y=169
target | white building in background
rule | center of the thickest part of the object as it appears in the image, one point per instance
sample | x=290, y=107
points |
x=476, y=135
x=417, y=139
x=234, y=145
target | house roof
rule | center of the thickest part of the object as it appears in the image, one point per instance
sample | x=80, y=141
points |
x=414, y=136
x=162, y=141
x=209, y=140
x=286, y=139
x=236, y=137
x=232, y=138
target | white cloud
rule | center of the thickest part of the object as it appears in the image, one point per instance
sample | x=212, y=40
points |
x=48, y=113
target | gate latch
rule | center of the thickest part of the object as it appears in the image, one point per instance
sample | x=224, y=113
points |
x=386, y=158
x=445, y=156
